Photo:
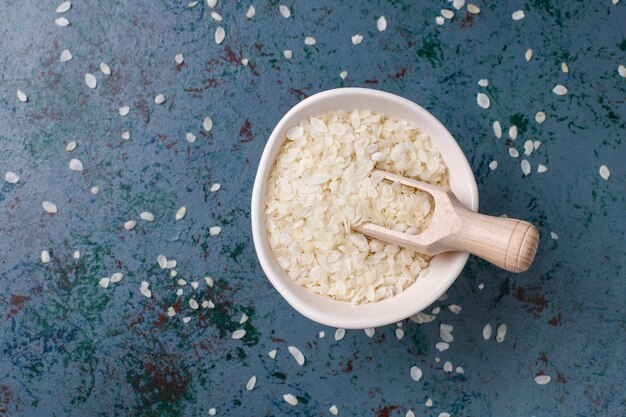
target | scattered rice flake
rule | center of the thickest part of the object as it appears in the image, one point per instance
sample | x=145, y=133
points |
x=76, y=254
x=604, y=172
x=540, y=117
x=191, y=138
x=456, y=309
x=244, y=62
x=95, y=190
x=290, y=399
x=559, y=90
x=458, y=4
x=513, y=132
x=518, y=15
x=61, y=22
x=441, y=346
x=244, y=318
x=528, y=55
x=179, y=59
x=483, y=82
x=446, y=336
x=216, y=16
x=170, y=264
x=124, y=110
x=381, y=24
x=443, y=415
x=333, y=410
x=536, y=144
x=181, y=212
x=220, y=34
x=459, y=370
x=284, y=10
x=272, y=353
x=309, y=41
x=416, y=373
x=483, y=101
x=614, y=2
x=288, y=54
x=171, y=312
x=212, y=411
x=343, y=74
x=130, y=225
x=525, y=165
x=429, y=402
x=66, y=55
x=104, y=282
x=49, y=207
x=493, y=165
x=399, y=333
x=473, y=9
x=179, y=292
x=487, y=331
x=564, y=67
x=448, y=14
x=215, y=187
x=543, y=379
x=207, y=124
x=513, y=152
x=117, y=277
x=409, y=413
x=21, y=96
x=528, y=147
x=251, y=383
x=554, y=235
x=45, y=256
x=420, y=318
x=497, y=129
x=209, y=281
x=192, y=4
x=215, y=230
x=440, y=20
x=105, y=69
x=339, y=334
x=194, y=284
x=211, y=3
x=501, y=333
x=541, y=169
x=187, y=320
x=64, y=7
x=145, y=291
x=90, y=81
x=481, y=286
x=250, y=12
x=436, y=310
x=298, y=356
x=621, y=70
x=211, y=305
x=11, y=177
x=76, y=165
x=321, y=334
x=238, y=334
x=447, y=366
x=357, y=39
x=370, y=331
x=126, y=135
x=147, y=216
x=159, y=99
x=194, y=305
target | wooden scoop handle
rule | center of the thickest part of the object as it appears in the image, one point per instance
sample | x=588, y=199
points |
x=508, y=243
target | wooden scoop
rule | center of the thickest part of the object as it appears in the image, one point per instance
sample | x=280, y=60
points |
x=508, y=243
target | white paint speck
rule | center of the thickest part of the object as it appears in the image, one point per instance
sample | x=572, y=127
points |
x=416, y=373
x=542, y=379
x=604, y=172
x=66, y=55
x=298, y=356
x=357, y=39
x=518, y=15
x=45, y=256
x=483, y=101
x=559, y=90
x=381, y=24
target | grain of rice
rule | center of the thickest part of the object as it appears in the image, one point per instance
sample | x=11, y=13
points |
x=49, y=207
x=518, y=15
x=540, y=117
x=64, y=7
x=290, y=399
x=458, y=4
x=621, y=70
x=76, y=165
x=220, y=34
x=105, y=69
x=483, y=101
x=117, y=277
x=288, y=54
x=250, y=12
x=66, y=55
x=564, y=67
x=447, y=366
x=381, y=24
x=179, y=59
x=416, y=373
x=493, y=165
x=297, y=355
x=124, y=110
x=487, y=331
x=215, y=187
x=333, y=410
x=91, y=81
x=339, y=334
x=61, y=22
x=448, y=14
x=399, y=334
x=191, y=138
x=357, y=39
x=309, y=41
x=440, y=20
x=501, y=333
x=181, y=212
x=541, y=169
x=483, y=82
x=525, y=165
x=441, y=346
x=543, y=379
x=207, y=124
x=238, y=334
x=104, y=282
x=130, y=225
x=497, y=129
x=473, y=9
x=95, y=190
x=284, y=10
x=604, y=172
x=11, y=177
x=21, y=96
x=147, y=216
x=559, y=90
x=215, y=230
x=251, y=383
x=45, y=256
x=159, y=99
x=514, y=153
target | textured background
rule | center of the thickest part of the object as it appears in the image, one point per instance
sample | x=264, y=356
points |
x=69, y=347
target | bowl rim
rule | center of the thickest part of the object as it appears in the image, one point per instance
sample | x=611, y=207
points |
x=259, y=232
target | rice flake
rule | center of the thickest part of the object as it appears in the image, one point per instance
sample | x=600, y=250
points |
x=369, y=332
x=49, y=207
x=45, y=256
x=381, y=24
x=76, y=165
x=493, y=165
x=66, y=55
x=124, y=110
x=181, y=212
x=220, y=34
x=64, y=7
x=541, y=169
x=61, y=22
x=528, y=55
x=483, y=101
x=250, y=12
x=238, y=334
x=147, y=216
x=540, y=117
x=251, y=383
x=416, y=373
x=559, y=90
x=518, y=15
x=473, y=9
x=284, y=11
x=90, y=81
x=310, y=41
x=290, y=399
x=11, y=177
x=604, y=172
x=339, y=334
x=357, y=39
x=501, y=333
x=333, y=410
x=543, y=379
x=298, y=356
x=525, y=165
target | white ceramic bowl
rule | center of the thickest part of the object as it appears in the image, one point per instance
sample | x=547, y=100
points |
x=444, y=268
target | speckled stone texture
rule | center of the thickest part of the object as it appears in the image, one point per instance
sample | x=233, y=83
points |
x=71, y=348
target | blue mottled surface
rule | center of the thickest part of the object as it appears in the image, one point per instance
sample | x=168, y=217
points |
x=71, y=348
